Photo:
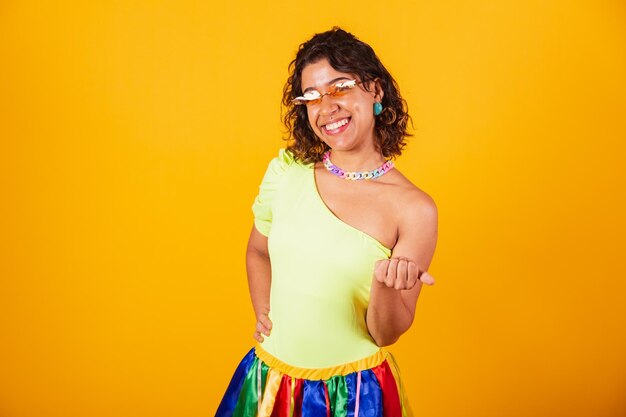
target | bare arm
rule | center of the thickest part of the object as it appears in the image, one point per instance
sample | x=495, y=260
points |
x=397, y=282
x=259, y=273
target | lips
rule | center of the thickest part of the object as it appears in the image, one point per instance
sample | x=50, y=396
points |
x=336, y=126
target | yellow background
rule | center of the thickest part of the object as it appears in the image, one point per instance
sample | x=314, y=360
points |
x=134, y=136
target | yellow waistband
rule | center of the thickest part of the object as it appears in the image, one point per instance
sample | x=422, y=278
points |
x=321, y=373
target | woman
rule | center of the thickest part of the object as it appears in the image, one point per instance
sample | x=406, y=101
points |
x=340, y=245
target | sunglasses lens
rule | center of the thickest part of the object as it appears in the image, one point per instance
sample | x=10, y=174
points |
x=315, y=97
x=300, y=101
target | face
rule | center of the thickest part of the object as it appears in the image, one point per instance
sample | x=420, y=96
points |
x=343, y=122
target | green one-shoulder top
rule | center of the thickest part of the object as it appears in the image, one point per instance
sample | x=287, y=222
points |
x=322, y=271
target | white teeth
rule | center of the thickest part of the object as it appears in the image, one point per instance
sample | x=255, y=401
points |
x=336, y=125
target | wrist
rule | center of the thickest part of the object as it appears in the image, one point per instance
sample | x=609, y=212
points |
x=262, y=311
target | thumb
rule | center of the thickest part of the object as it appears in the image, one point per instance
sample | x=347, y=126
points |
x=427, y=279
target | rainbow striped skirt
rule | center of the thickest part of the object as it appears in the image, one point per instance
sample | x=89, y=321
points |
x=263, y=386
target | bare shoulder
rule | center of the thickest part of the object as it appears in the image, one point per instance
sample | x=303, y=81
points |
x=411, y=202
x=416, y=217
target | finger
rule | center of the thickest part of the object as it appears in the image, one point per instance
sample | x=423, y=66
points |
x=427, y=279
x=380, y=270
x=411, y=281
x=402, y=275
x=413, y=272
x=258, y=336
x=391, y=273
x=265, y=320
x=262, y=329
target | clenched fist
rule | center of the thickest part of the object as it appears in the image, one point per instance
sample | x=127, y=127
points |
x=400, y=273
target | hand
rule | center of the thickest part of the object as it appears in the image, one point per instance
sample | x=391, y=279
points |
x=400, y=273
x=263, y=327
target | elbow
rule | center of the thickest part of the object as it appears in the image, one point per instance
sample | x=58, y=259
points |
x=386, y=341
x=385, y=332
x=253, y=251
x=389, y=336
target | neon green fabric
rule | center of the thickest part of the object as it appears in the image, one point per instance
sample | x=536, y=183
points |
x=321, y=271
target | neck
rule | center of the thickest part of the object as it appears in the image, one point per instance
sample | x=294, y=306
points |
x=363, y=160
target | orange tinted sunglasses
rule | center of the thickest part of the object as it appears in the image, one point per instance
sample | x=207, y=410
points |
x=336, y=90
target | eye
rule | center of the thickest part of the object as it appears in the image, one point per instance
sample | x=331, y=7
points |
x=344, y=85
x=311, y=95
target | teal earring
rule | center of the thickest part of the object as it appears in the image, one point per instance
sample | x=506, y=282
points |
x=378, y=108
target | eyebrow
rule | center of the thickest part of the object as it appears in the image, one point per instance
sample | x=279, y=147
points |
x=328, y=83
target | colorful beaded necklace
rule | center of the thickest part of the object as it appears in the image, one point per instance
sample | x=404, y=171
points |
x=334, y=169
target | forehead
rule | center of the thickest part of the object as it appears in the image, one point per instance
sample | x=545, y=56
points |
x=320, y=74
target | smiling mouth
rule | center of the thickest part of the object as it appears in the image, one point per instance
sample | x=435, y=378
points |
x=338, y=126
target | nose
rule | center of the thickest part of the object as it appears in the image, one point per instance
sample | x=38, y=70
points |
x=328, y=105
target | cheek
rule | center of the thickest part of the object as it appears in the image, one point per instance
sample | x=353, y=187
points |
x=312, y=115
x=367, y=107
x=360, y=105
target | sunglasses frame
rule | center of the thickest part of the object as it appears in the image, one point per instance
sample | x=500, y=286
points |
x=335, y=90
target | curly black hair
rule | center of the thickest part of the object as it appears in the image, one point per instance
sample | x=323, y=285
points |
x=345, y=53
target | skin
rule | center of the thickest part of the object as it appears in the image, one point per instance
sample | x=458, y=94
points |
x=400, y=215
